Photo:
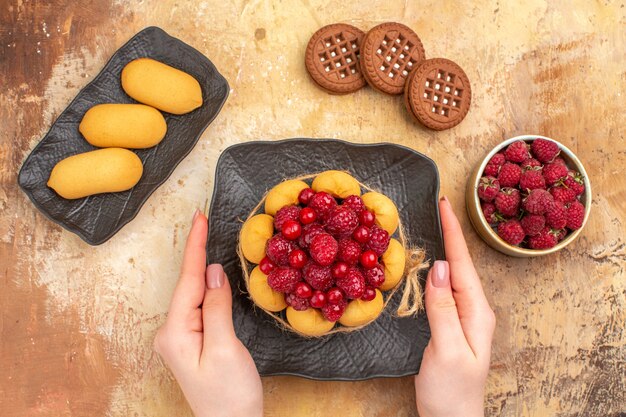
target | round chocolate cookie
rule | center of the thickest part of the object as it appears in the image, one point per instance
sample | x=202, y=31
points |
x=332, y=58
x=438, y=94
x=390, y=52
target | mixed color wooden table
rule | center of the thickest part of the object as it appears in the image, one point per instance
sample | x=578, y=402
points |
x=77, y=322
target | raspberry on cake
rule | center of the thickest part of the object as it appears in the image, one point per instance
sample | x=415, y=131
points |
x=341, y=222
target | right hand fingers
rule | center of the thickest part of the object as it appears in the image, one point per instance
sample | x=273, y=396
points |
x=477, y=318
x=443, y=317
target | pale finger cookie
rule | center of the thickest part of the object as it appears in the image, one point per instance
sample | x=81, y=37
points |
x=389, y=53
x=332, y=58
x=438, y=94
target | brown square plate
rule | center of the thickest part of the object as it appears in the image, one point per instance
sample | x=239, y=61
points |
x=389, y=347
x=97, y=218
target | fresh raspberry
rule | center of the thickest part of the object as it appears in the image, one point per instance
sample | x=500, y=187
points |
x=533, y=223
x=530, y=163
x=498, y=159
x=341, y=222
x=489, y=211
x=278, y=249
x=537, y=201
x=560, y=161
x=560, y=234
x=544, y=150
x=507, y=201
x=532, y=179
x=355, y=203
x=284, y=279
x=379, y=240
x=323, y=249
x=488, y=187
x=563, y=194
x=353, y=284
x=334, y=311
x=511, y=232
x=517, y=152
x=349, y=251
x=285, y=214
x=493, y=166
x=556, y=215
x=296, y=302
x=322, y=203
x=574, y=181
x=374, y=276
x=554, y=173
x=575, y=215
x=491, y=170
x=545, y=239
x=509, y=175
x=317, y=276
x=308, y=233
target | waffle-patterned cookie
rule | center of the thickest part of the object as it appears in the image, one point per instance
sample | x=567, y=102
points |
x=390, y=52
x=438, y=94
x=332, y=58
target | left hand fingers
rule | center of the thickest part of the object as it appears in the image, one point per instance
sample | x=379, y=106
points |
x=189, y=291
x=217, y=311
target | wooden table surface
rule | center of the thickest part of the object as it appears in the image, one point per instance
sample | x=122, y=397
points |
x=77, y=322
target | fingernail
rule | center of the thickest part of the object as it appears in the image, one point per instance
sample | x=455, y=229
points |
x=444, y=198
x=440, y=277
x=195, y=215
x=214, y=276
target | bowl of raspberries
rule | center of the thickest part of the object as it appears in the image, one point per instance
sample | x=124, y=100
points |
x=530, y=196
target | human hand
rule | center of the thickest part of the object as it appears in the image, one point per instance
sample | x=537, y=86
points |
x=451, y=381
x=198, y=343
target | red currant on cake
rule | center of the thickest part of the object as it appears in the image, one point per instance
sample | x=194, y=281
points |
x=367, y=218
x=339, y=269
x=305, y=196
x=361, y=234
x=298, y=258
x=303, y=290
x=307, y=215
x=318, y=299
x=369, y=259
x=266, y=266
